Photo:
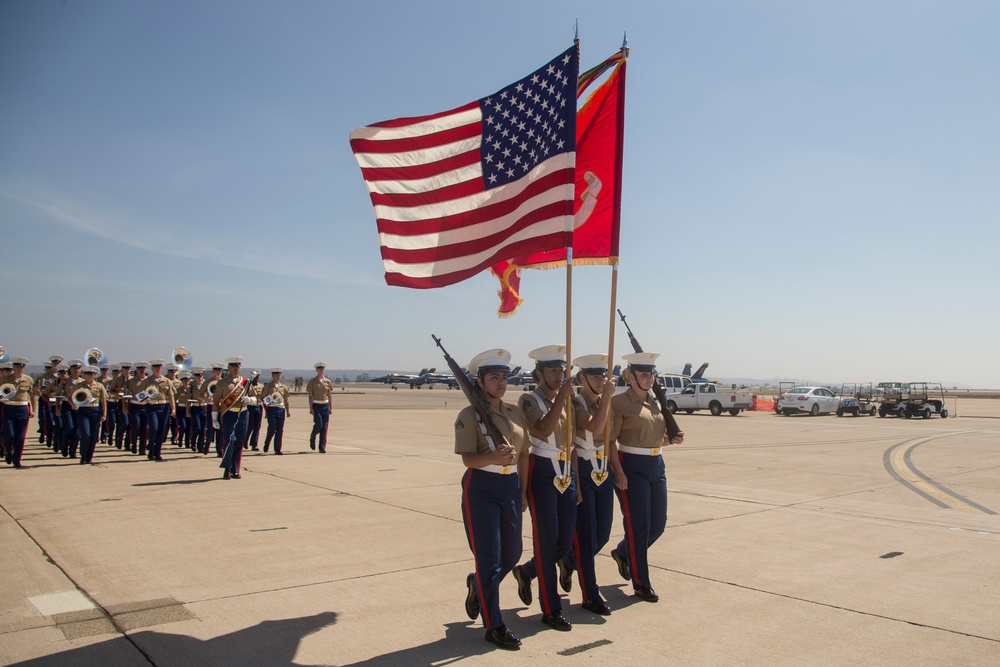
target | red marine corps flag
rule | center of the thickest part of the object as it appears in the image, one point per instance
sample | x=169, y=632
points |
x=597, y=205
x=457, y=191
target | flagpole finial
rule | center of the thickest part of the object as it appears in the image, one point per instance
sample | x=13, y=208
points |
x=625, y=44
x=576, y=31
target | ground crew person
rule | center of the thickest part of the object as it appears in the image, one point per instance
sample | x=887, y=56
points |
x=552, y=504
x=491, y=494
x=595, y=496
x=320, y=391
x=640, y=429
x=276, y=401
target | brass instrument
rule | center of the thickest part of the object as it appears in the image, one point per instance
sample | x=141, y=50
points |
x=7, y=390
x=273, y=400
x=3, y=355
x=152, y=392
x=182, y=357
x=82, y=397
x=94, y=357
x=211, y=387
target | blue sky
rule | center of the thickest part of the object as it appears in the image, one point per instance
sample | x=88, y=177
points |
x=810, y=188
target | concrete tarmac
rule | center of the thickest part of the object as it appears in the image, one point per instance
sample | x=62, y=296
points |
x=790, y=541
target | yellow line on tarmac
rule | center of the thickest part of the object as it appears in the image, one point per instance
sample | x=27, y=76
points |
x=912, y=476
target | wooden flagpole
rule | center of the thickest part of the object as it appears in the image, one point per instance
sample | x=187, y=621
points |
x=611, y=349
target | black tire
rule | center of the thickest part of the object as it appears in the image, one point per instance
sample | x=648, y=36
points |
x=787, y=412
x=840, y=412
x=672, y=407
x=815, y=409
x=855, y=411
x=907, y=414
x=881, y=412
x=734, y=411
x=926, y=414
x=872, y=410
x=690, y=411
x=944, y=413
x=715, y=408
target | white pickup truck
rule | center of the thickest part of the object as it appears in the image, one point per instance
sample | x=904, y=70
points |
x=707, y=396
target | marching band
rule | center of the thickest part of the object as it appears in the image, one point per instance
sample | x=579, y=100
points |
x=88, y=401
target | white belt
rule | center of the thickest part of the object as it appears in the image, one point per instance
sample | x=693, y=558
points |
x=498, y=469
x=18, y=403
x=642, y=451
x=320, y=402
x=554, y=454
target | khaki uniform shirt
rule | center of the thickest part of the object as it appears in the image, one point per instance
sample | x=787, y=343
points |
x=96, y=390
x=228, y=385
x=164, y=389
x=583, y=410
x=279, y=388
x=509, y=420
x=256, y=391
x=535, y=406
x=203, y=396
x=44, y=381
x=635, y=422
x=319, y=390
x=23, y=388
x=118, y=387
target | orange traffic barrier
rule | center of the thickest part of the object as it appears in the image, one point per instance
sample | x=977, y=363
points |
x=762, y=404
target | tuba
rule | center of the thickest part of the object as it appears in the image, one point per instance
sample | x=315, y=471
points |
x=211, y=387
x=182, y=358
x=7, y=390
x=3, y=355
x=94, y=357
x=82, y=397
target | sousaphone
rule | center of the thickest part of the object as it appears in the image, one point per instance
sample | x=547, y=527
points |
x=182, y=358
x=7, y=390
x=82, y=397
x=3, y=355
x=94, y=357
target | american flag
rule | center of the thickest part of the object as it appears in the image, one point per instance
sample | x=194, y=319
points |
x=454, y=192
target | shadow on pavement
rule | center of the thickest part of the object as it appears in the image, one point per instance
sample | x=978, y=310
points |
x=269, y=643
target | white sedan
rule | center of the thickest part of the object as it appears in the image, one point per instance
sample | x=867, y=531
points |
x=814, y=400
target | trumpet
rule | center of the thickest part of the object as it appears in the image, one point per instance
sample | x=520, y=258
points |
x=95, y=357
x=211, y=387
x=7, y=390
x=152, y=393
x=182, y=357
x=82, y=397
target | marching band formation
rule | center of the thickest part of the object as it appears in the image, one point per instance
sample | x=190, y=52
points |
x=134, y=407
x=530, y=459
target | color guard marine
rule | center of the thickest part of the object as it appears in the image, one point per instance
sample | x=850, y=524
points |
x=594, y=465
x=320, y=391
x=275, y=401
x=491, y=492
x=641, y=429
x=548, y=488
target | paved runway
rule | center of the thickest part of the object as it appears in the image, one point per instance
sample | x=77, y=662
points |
x=790, y=541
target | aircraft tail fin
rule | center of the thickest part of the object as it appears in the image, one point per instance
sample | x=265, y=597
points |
x=687, y=369
x=701, y=371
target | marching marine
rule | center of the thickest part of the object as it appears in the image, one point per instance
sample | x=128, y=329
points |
x=135, y=410
x=17, y=410
x=230, y=402
x=160, y=407
x=90, y=401
x=276, y=402
x=118, y=396
x=320, y=391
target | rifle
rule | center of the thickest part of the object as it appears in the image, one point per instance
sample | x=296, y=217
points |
x=479, y=403
x=672, y=428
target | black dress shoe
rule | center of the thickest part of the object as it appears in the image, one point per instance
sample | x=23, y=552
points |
x=623, y=568
x=504, y=638
x=599, y=607
x=312, y=445
x=646, y=594
x=225, y=475
x=523, y=585
x=472, y=598
x=565, y=576
x=280, y=453
x=557, y=621
x=236, y=475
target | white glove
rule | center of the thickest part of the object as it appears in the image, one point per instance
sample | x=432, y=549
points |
x=215, y=421
x=250, y=400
